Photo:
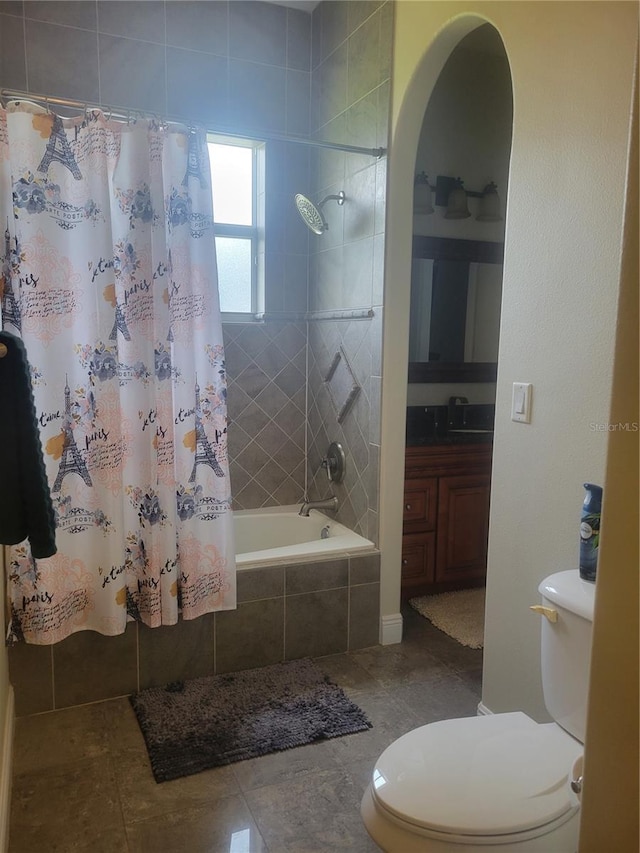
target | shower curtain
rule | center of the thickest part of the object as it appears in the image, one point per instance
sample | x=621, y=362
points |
x=109, y=278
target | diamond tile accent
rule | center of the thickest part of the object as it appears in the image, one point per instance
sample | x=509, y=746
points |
x=271, y=438
x=239, y=479
x=253, y=340
x=236, y=359
x=290, y=380
x=291, y=340
x=253, y=419
x=272, y=399
x=237, y=440
x=237, y=400
x=253, y=380
x=253, y=495
x=267, y=415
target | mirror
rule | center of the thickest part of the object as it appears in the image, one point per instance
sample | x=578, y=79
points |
x=456, y=292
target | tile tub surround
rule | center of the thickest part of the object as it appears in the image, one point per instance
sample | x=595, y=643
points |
x=82, y=780
x=350, y=84
x=307, y=609
x=266, y=398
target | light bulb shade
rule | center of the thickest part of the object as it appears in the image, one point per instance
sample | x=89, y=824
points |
x=457, y=207
x=422, y=202
x=489, y=207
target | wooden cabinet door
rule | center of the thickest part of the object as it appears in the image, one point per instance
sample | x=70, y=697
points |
x=463, y=527
x=418, y=561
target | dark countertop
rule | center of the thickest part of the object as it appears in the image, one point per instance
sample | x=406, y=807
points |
x=442, y=425
x=458, y=438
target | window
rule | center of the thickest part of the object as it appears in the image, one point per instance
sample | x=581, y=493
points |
x=233, y=177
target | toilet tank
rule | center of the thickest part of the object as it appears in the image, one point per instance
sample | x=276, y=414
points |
x=566, y=649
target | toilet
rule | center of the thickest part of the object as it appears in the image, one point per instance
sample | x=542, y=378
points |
x=499, y=783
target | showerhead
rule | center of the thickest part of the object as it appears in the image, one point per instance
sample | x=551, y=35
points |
x=312, y=215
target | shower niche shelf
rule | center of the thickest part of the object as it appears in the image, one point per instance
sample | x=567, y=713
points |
x=342, y=384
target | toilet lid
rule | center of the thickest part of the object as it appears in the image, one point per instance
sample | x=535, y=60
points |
x=490, y=775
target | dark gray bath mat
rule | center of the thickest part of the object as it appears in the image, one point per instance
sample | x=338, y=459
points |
x=190, y=726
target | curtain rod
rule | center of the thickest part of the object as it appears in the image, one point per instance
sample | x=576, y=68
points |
x=126, y=114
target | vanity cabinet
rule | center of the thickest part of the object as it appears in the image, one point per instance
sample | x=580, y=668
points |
x=445, y=517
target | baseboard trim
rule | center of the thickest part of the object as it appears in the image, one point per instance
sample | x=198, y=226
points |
x=391, y=629
x=6, y=767
x=483, y=711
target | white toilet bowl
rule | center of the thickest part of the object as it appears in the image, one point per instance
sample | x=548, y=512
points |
x=495, y=784
x=499, y=783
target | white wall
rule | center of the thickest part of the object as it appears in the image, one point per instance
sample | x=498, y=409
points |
x=572, y=71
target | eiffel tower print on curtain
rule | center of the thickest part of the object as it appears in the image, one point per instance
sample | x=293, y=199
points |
x=205, y=454
x=194, y=167
x=10, y=310
x=119, y=324
x=58, y=149
x=71, y=462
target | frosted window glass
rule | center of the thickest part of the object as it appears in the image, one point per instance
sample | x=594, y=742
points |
x=232, y=180
x=234, y=273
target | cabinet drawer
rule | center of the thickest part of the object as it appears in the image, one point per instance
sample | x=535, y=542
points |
x=419, y=508
x=418, y=558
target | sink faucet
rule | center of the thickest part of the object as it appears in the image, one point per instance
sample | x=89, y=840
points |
x=453, y=402
x=328, y=503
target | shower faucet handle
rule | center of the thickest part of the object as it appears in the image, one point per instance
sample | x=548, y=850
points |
x=335, y=462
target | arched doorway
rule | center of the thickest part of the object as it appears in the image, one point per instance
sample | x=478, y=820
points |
x=456, y=293
x=399, y=236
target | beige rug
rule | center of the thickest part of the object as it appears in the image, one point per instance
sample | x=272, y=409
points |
x=459, y=614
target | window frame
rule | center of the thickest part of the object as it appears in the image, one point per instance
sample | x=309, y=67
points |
x=246, y=232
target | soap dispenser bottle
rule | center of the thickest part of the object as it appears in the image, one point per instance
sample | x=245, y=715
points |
x=590, y=531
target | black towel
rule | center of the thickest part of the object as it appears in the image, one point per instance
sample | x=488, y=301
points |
x=26, y=511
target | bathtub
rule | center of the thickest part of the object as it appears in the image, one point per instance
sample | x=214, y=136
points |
x=279, y=534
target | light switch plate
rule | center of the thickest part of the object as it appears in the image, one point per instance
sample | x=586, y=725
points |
x=521, y=403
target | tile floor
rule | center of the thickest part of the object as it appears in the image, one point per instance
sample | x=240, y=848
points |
x=82, y=781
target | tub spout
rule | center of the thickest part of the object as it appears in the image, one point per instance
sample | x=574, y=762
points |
x=329, y=503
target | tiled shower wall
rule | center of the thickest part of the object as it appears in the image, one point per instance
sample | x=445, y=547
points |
x=351, y=60
x=251, y=67
x=242, y=67
x=267, y=403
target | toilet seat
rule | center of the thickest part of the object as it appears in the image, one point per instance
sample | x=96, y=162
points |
x=497, y=778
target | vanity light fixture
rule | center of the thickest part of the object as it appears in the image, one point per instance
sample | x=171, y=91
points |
x=422, y=202
x=451, y=194
x=457, y=207
x=489, y=207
